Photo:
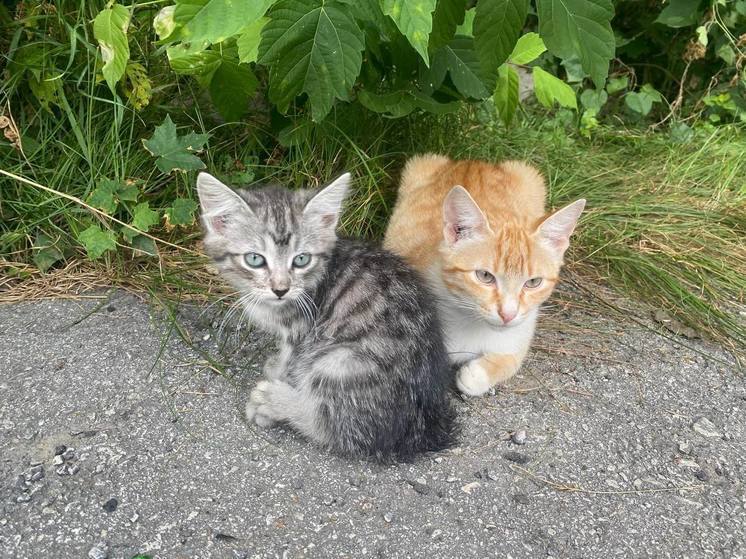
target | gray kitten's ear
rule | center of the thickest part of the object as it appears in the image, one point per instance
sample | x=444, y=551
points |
x=325, y=207
x=219, y=203
x=555, y=230
x=462, y=218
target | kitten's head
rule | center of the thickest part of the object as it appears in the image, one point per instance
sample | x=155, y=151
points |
x=272, y=244
x=503, y=271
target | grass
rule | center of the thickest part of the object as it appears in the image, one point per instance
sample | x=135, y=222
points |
x=665, y=224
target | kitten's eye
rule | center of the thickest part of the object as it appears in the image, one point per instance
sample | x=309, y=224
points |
x=302, y=260
x=254, y=260
x=484, y=276
x=533, y=283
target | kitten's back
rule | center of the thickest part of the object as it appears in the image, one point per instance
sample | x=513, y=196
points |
x=510, y=191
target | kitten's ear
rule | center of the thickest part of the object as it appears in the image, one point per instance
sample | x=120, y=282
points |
x=462, y=218
x=219, y=203
x=325, y=207
x=555, y=230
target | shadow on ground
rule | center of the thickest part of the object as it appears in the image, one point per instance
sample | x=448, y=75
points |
x=634, y=447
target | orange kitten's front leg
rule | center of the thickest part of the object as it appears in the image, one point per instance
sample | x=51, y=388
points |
x=479, y=375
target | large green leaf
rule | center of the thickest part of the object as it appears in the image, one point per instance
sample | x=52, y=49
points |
x=181, y=212
x=414, y=18
x=528, y=48
x=680, y=13
x=213, y=21
x=248, y=40
x=401, y=103
x=231, y=87
x=497, y=26
x=313, y=47
x=549, y=89
x=582, y=28
x=110, y=30
x=175, y=152
x=143, y=218
x=448, y=15
x=97, y=241
x=103, y=196
x=460, y=59
x=506, y=92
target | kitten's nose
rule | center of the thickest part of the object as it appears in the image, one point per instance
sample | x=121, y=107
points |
x=279, y=292
x=507, y=315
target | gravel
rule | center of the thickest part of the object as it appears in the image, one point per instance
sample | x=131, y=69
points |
x=633, y=447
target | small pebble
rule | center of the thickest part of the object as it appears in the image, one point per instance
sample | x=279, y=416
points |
x=111, y=505
x=438, y=459
x=451, y=479
x=328, y=501
x=69, y=454
x=706, y=428
x=685, y=447
x=436, y=534
x=61, y=471
x=58, y=460
x=36, y=469
x=59, y=449
x=469, y=487
x=72, y=470
x=99, y=551
x=36, y=476
x=492, y=475
x=388, y=517
x=702, y=475
x=519, y=437
x=23, y=498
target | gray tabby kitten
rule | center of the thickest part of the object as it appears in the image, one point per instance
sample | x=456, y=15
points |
x=361, y=368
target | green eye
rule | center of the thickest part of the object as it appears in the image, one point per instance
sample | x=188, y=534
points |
x=484, y=276
x=533, y=283
x=254, y=260
x=302, y=260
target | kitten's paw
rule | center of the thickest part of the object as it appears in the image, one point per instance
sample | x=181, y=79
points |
x=257, y=406
x=473, y=379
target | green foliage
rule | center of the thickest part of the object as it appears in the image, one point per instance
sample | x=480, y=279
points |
x=110, y=30
x=97, y=241
x=312, y=47
x=175, y=153
x=550, y=89
x=497, y=26
x=414, y=18
x=506, y=93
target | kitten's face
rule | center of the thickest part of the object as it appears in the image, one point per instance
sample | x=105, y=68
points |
x=503, y=274
x=271, y=244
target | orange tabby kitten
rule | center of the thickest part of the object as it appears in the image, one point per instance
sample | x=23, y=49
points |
x=480, y=234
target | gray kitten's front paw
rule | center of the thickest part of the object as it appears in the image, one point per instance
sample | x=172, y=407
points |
x=257, y=409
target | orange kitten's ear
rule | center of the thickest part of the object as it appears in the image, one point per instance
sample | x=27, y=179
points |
x=462, y=218
x=555, y=230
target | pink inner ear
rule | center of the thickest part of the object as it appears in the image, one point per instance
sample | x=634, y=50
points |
x=217, y=223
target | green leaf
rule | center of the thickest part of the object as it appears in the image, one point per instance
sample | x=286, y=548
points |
x=414, y=18
x=97, y=241
x=313, y=47
x=460, y=60
x=248, y=41
x=143, y=218
x=680, y=13
x=506, y=93
x=448, y=15
x=110, y=30
x=231, y=87
x=145, y=245
x=213, y=21
x=549, y=89
x=396, y=104
x=137, y=88
x=593, y=99
x=181, y=212
x=163, y=22
x=497, y=26
x=467, y=28
x=104, y=196
x=198, y=64
x=615, y=85
x=46, y=253
x=582, y=28
x=175, y=152
x=528, y=48
x=128, y=191
x=642, y=101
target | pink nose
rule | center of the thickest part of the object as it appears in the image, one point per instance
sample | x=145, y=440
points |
x=507, y=316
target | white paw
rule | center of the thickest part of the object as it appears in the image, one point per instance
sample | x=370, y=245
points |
x=257, y=405
x=472, y=379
